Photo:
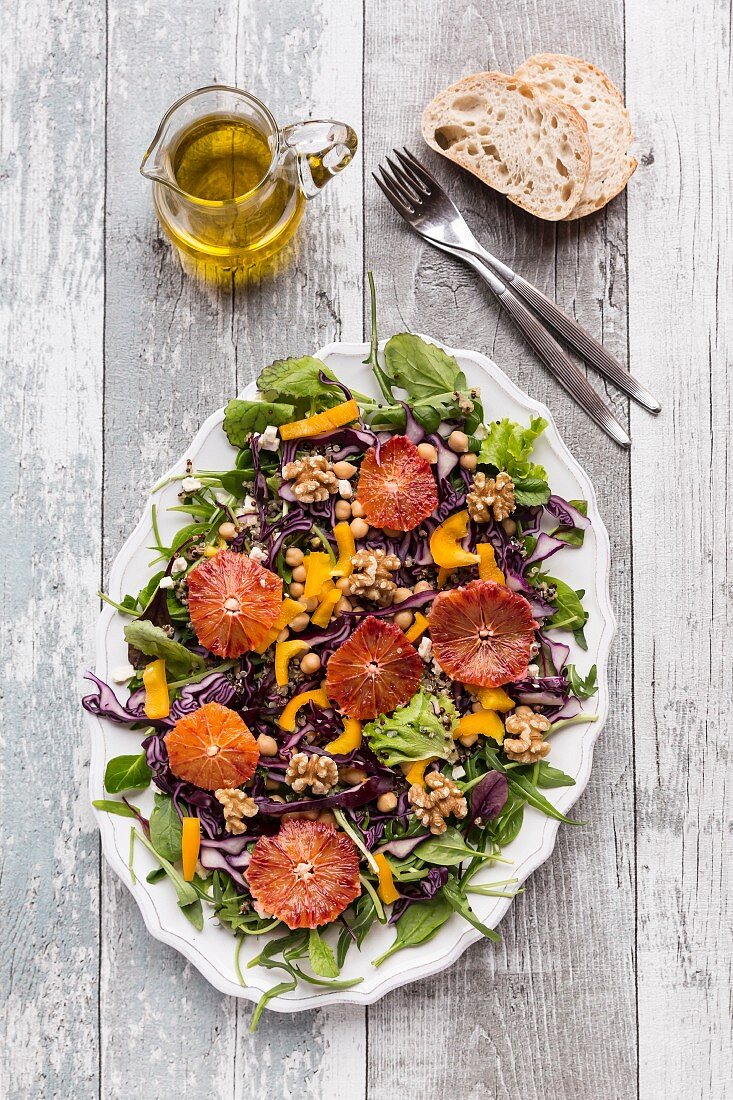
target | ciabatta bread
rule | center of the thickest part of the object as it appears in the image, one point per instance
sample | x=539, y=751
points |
x=601, y=104
x=531, y=146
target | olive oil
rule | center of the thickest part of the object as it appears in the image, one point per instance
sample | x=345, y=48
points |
x=240, y=205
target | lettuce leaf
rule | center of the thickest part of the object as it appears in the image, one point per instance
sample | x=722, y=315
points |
x=508, y=446
x=154, y=642
x=415, y=731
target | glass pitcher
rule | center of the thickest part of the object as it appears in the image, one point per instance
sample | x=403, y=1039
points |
x=229, y=185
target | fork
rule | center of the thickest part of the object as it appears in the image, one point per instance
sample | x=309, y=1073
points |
x=421, y=201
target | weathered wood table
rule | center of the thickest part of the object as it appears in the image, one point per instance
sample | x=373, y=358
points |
x=612, y=978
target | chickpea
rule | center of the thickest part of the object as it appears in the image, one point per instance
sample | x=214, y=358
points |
x=310, y=664
x=403, y=619
x=401, y=594
x=352, y=775
x=283, y=635
x=359, y=527
x=344, y=470
x=267, y=745
x=510, y=526
x=343, y=584
x=300, y=622
x=272, y=785
x=469, y=461
x=458, y=442
x=309, y=603
x=468, y=739
x=387, y=802
x=326, y=817
x=294, y=556
x=357, y=509
x=422, y=586
x=227, y=531
x=296, y=590
x=342, y=510
x=343, y=605
x=299, y=574
x=392, y=533
x=428, y=452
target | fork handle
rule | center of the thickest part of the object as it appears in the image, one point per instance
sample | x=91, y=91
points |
x=552, y=354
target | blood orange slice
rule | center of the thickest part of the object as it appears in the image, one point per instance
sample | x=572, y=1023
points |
x=373, y=672
x=233, y=601
x=212, y=748
x=306, y=875
x=482, y=633
x=396, y=487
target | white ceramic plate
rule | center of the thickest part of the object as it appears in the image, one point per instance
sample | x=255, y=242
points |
x=212, y=949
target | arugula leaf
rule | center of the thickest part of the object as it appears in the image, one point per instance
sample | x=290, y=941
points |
x=166, y=828
x=154, y=642
x=127, y=773
x=364, y=916
x=269, y=995
x=583, y=688
x=188, y=900
x=447, y=850
x=414, y=731
x=321, y=956
x=503, y=829
x=569, y=613
x=243, y=417
x=420, y=368
x=459, y=903
x=418, y=924
x=297, y=382
x=507, y=447
x=121, y=809
x=547, y=776
x=523, y=785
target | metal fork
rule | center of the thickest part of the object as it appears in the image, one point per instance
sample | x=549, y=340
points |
x=421, y=201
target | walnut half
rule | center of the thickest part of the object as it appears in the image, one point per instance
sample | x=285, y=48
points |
x=527, y=743
x=320, y=773
x=491, y=496
x=237, y=805
x=436, y=801
x=313, y=478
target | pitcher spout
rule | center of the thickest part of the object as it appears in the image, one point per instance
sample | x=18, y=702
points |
x=155, y=165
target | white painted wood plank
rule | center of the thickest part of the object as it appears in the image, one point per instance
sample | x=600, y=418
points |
x=550, y=1012
x=51, y=301
x=681, y=236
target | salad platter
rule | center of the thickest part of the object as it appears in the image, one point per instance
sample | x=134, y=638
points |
x=349, y=673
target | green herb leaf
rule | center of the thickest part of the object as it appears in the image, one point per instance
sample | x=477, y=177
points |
x=364, y=916
x=420, y=368
x=165, y=828
x=154, y=642
x=447, y=850
x=529, y=792
x=269, y=995
x=297, y=382
x=414, y=731
x=547, y=776
x=243, y=417
x=459, y=904
x=418, y=924
x=507, y=447
x=188, y=900
x=121, y=809
x=155, y=875
x=127, y=773
x=321, y=956
x=569, y=614
x=583, y=688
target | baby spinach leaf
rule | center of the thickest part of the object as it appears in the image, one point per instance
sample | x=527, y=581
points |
x=420, y=368
x=155, y=875
x=166, y=828
x=418, y=924
x=121, y=809
x=298, y=382
x=547, y=776
x=583, y=688
x=459, y=903
x=447, y=850
x=569, y=613
x=243, y=417
x=127, y=773
x=506, y=826
x=154, y=642
x=188, y=900
x=321, y=956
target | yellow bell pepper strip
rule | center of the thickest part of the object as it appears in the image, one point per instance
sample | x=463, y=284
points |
x=444, y=576
x=284, y=653
x=286, y=721
x=347, y=741
x=318, y=571
x=346, y=547
x=416, y=772
x=325, y=421
x=211, y=551
x=289, y=609
x=485, y=722
x=322, y=615
x=386, y=888
x=157, y=701
x=445, y=543
x=488, y=570
x=190, y=846
x=419, y=626
x=492, y=698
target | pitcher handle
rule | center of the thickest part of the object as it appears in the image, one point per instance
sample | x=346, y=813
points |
x=323, y=148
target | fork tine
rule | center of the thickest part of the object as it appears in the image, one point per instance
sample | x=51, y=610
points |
x=417, y=179
x=416, y=194
x=405, y=212
x=419, y=168
x=406, y=198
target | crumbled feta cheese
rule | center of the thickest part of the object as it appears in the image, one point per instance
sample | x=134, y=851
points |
x=248, y=512
x=122, y=673
x=425, y=649
x=346, y=489
x=270, y=440
x=166, y=582
x=533, y=671
x=180, y=565
x=257, y=554
x=191, y=485
x=459, y=771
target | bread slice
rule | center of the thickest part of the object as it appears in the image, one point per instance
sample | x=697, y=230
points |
x=602, y=106
x=531, y=146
